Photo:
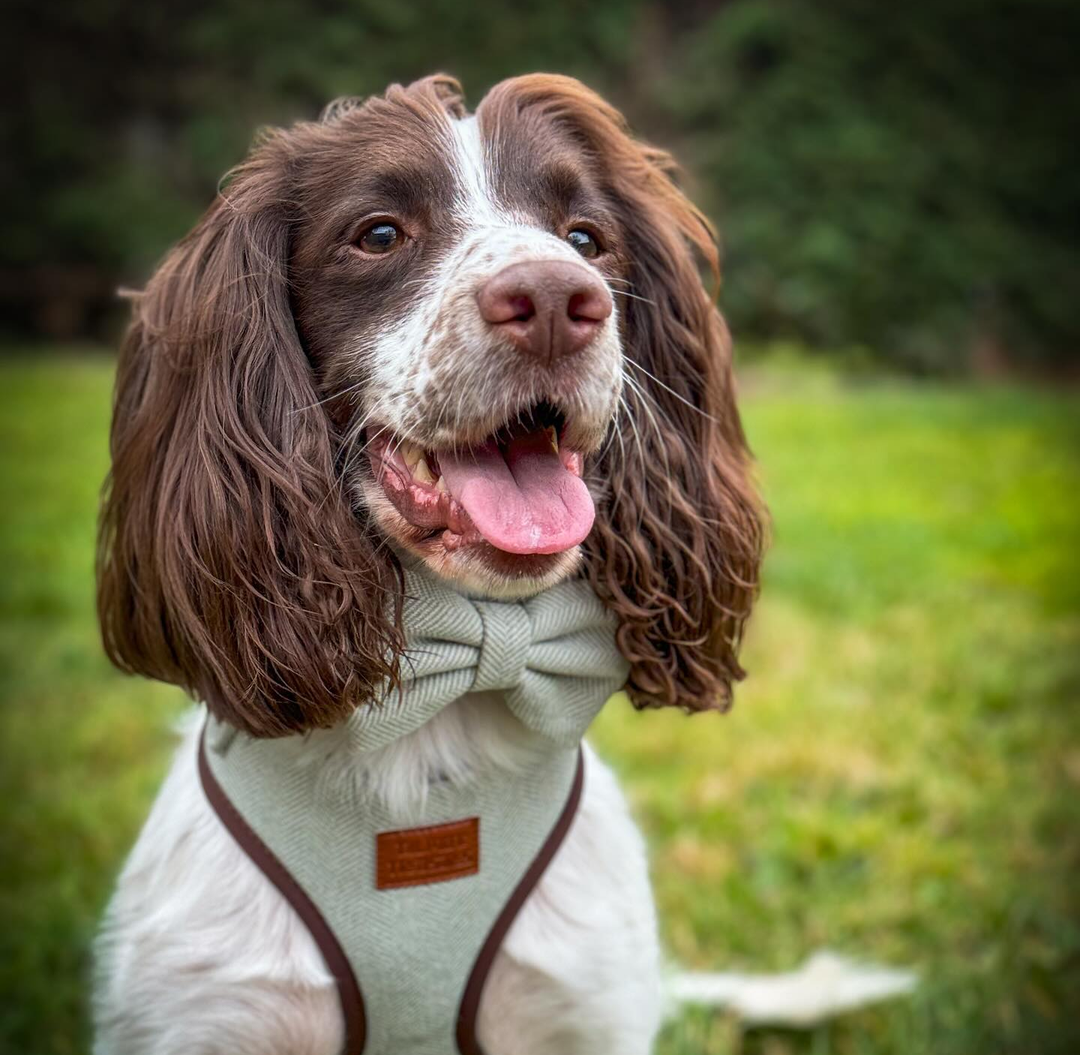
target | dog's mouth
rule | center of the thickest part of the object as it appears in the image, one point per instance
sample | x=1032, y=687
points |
x=519, y=489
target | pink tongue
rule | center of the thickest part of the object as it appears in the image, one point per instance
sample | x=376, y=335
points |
x=525, y=501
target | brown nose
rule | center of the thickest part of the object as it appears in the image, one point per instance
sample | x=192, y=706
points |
x=548, y=308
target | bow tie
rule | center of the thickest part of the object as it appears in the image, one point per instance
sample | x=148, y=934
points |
x=553, y=655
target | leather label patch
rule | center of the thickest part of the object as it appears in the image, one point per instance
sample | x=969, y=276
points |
x=415, y=856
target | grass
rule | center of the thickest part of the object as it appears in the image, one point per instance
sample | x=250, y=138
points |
x=900, y=778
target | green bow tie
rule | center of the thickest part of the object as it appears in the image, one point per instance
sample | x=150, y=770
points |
x=553, y=655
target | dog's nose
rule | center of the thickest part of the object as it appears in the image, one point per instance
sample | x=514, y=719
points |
x=548, y=308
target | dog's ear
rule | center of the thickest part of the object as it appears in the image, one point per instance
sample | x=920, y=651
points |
x=229, y=560
x=679, y=532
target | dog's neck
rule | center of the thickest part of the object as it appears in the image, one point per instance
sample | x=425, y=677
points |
x=476, y=732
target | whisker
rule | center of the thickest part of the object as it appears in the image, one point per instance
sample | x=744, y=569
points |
x=333, y=395
x=661, y=444
x=353, y=448
x=633, y=296
x=613, y=428
x=668, y=388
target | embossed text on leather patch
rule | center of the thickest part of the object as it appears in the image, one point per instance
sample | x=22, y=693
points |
x=413, y=856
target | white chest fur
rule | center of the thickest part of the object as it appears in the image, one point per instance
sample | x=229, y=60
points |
x=200, y=952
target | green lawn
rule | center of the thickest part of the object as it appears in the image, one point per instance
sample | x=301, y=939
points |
x=899, y=780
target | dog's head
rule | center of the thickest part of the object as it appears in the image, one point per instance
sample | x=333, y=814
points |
x=480, y=340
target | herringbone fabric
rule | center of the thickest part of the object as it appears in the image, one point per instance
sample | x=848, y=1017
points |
x=554, y=655
x=554, y=660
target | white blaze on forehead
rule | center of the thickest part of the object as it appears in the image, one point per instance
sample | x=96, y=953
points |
x=476, y=202
x=440, y=314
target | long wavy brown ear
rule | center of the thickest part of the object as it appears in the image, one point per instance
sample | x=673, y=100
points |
x=229, y=560
x=679, y=533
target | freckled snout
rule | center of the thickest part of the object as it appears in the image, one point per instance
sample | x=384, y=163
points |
x=548, y=308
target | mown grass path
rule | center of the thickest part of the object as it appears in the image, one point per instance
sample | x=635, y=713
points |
x=900, y=778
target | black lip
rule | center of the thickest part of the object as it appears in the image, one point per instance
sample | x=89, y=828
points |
x=540, y=415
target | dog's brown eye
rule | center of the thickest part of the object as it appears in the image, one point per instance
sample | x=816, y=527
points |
x=584, y=243
x=380, y=238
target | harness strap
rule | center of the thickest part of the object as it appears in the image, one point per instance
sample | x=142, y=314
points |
x=352, y=1001
x=474, y=988
x=349, y=994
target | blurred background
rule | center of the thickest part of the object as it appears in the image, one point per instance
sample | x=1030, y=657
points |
x=898, y=197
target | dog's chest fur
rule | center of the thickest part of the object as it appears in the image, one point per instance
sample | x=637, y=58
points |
x=577, y=973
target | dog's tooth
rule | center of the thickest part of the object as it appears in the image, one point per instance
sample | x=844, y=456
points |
x=422, y=471
x=554, y=437
x=440, y=485
x=411, y=454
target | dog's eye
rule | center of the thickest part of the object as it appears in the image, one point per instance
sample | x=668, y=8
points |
x=380, y=238
x=584, y=243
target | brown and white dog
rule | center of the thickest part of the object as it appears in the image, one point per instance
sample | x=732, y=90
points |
x=342, y=364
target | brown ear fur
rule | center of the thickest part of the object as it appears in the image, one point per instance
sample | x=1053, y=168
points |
x=679, y=533
x=229, y=560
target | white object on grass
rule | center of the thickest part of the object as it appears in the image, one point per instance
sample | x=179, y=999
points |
x=826, y=984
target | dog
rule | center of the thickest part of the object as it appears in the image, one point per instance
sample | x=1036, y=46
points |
x=328, y=381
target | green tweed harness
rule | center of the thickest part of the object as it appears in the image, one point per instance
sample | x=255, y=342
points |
x=410, y=918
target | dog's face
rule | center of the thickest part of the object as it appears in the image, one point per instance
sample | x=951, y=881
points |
x=456, y=297
x=479, y=339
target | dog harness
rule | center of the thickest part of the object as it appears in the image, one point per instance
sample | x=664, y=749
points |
x=409, y=916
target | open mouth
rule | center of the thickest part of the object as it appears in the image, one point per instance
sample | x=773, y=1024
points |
x=520, y=489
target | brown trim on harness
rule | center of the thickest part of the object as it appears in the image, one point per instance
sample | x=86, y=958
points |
x=352, y=1002
x=474, y=988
